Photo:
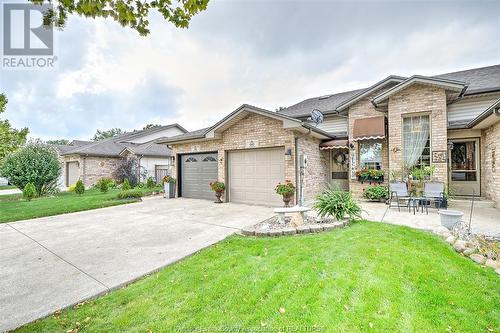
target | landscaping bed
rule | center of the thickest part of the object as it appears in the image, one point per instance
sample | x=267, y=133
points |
x=368, y=277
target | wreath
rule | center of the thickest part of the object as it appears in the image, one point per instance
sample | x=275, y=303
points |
x=339, y=158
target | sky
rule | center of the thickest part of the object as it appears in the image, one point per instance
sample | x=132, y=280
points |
x=265, y=53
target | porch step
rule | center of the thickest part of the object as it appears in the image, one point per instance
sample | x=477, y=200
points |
x=466, y=202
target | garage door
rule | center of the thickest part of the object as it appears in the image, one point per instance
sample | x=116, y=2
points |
x=73, y=173
x=253, y=175
x=197, y=171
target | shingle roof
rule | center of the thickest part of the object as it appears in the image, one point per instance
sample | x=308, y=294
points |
x=482, y=79
x=479, y=79
x=190, y=135
x=115, y=145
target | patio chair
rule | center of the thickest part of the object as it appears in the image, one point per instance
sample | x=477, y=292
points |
x=398, y=191
x=435, y=192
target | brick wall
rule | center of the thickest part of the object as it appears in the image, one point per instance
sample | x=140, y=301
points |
x=425, y=100
x=491, y=163
x=317, y=173
x=93, y=168
x=268, y=131
x=365, y=109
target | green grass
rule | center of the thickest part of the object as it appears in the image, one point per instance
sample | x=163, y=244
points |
x=7, y=187
x=369, y=277
x=14, y=208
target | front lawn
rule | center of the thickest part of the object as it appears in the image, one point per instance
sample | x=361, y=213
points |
x=14, y=208
x=367, y=277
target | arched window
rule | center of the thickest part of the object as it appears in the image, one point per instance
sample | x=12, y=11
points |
x=191, y=159
x=209, y=159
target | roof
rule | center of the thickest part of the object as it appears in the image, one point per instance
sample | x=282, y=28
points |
x=214, y=131
x=478, y=80
x=114, y=146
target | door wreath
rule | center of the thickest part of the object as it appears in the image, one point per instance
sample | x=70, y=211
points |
x=339, y=158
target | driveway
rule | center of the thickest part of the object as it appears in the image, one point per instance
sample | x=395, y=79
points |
x=54, y=262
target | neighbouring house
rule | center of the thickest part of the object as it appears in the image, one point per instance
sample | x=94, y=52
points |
x=93, y=160
x=449, y=121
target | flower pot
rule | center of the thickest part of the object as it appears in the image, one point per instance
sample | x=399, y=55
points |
x=218, y=195
x=166, y=189
x=449, y=218
x=286, y=199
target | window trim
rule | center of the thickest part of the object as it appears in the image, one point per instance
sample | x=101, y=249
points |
x=360, y=163
x=410, y=115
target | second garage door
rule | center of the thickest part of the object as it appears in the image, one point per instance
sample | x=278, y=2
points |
x=197, y=171
x=253, y=175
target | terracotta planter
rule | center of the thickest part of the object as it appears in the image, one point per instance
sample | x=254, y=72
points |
x=286, y=199
x=218, y=195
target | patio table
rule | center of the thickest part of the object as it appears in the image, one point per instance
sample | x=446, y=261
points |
x=417, y=202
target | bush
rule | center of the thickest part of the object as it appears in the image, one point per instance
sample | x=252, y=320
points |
x=217, y=186
x=126, y=185
x=150, y=183
x=375, y=192
x=29, y=191
x=35, y=163
x=71, y=188
x=168, y=179
x=128, y=169
x=338, y=204
x=79, y=187
x=104, y=184
x=285, y=189
x=130, y=194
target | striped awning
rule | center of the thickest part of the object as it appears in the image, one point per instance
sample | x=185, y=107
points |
x=369, y=128
x=334, y=144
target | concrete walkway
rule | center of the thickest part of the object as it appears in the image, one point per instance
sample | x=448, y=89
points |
x=54, y=262
x=485, y=220
x=10, y=191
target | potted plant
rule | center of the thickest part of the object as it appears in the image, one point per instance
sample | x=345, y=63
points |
x=376, y=193
x=218, y=188
x=287, y=191
x=168, y=186
x=370, y=175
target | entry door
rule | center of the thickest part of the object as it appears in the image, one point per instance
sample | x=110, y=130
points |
x=254, y=174
x=339, y=166
x=464, y=167
x=197, y=172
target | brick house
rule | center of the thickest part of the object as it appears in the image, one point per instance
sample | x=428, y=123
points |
x=93, y=160
x=450, y=122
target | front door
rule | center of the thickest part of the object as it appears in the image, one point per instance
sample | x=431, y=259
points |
x=464, y=167
x=339, y=166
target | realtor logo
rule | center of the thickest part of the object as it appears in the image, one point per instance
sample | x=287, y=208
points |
x=27, y=43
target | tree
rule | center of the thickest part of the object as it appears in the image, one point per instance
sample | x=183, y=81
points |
x=10, y=138
x=36, y=163
x=279, y=108
x=134, y=14
x=58, y=142
x=148, y=126
x=128, y=169
x=105, y=134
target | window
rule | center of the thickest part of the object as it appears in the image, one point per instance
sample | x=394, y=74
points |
x=209, y=159
x=416, y=141
x=191, y=159
x=370, y=154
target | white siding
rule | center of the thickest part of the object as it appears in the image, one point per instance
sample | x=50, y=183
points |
x=467, y=109
x=149, y=163
x=165, y=133
x=334, y=124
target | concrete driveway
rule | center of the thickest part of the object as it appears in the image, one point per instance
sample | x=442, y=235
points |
x=54, y=262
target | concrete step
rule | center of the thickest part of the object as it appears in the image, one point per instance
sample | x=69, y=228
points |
x=466, y=202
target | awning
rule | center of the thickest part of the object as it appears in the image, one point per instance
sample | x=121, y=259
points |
x=334, y=144
x=369, y=128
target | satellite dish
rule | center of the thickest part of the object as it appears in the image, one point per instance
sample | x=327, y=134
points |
x=316, y=116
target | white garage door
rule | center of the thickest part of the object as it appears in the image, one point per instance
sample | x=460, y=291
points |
x=253, y=175
x=73, y=173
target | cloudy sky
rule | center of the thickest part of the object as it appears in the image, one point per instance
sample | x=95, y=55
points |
x=265, y=53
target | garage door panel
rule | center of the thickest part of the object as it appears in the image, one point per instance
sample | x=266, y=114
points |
x=253, y=175
x=197, y=171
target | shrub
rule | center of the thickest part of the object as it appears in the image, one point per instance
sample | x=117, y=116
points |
x=35, y=163
x=29, y=191
x=130, y=194
x=126, y=185
x=71, y=188
x=338, y=204
x=140, y=185
x=168, y=179
x=217, y=186
x=104, y=184
x=150, y=183
x=79, y=187
x=128, y=169
x=375, y=192
x=285, y=189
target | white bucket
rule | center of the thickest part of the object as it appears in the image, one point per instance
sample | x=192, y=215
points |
x=166, y=189
x=449, y=218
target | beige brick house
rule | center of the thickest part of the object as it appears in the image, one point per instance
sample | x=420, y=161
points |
x=450, y=122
